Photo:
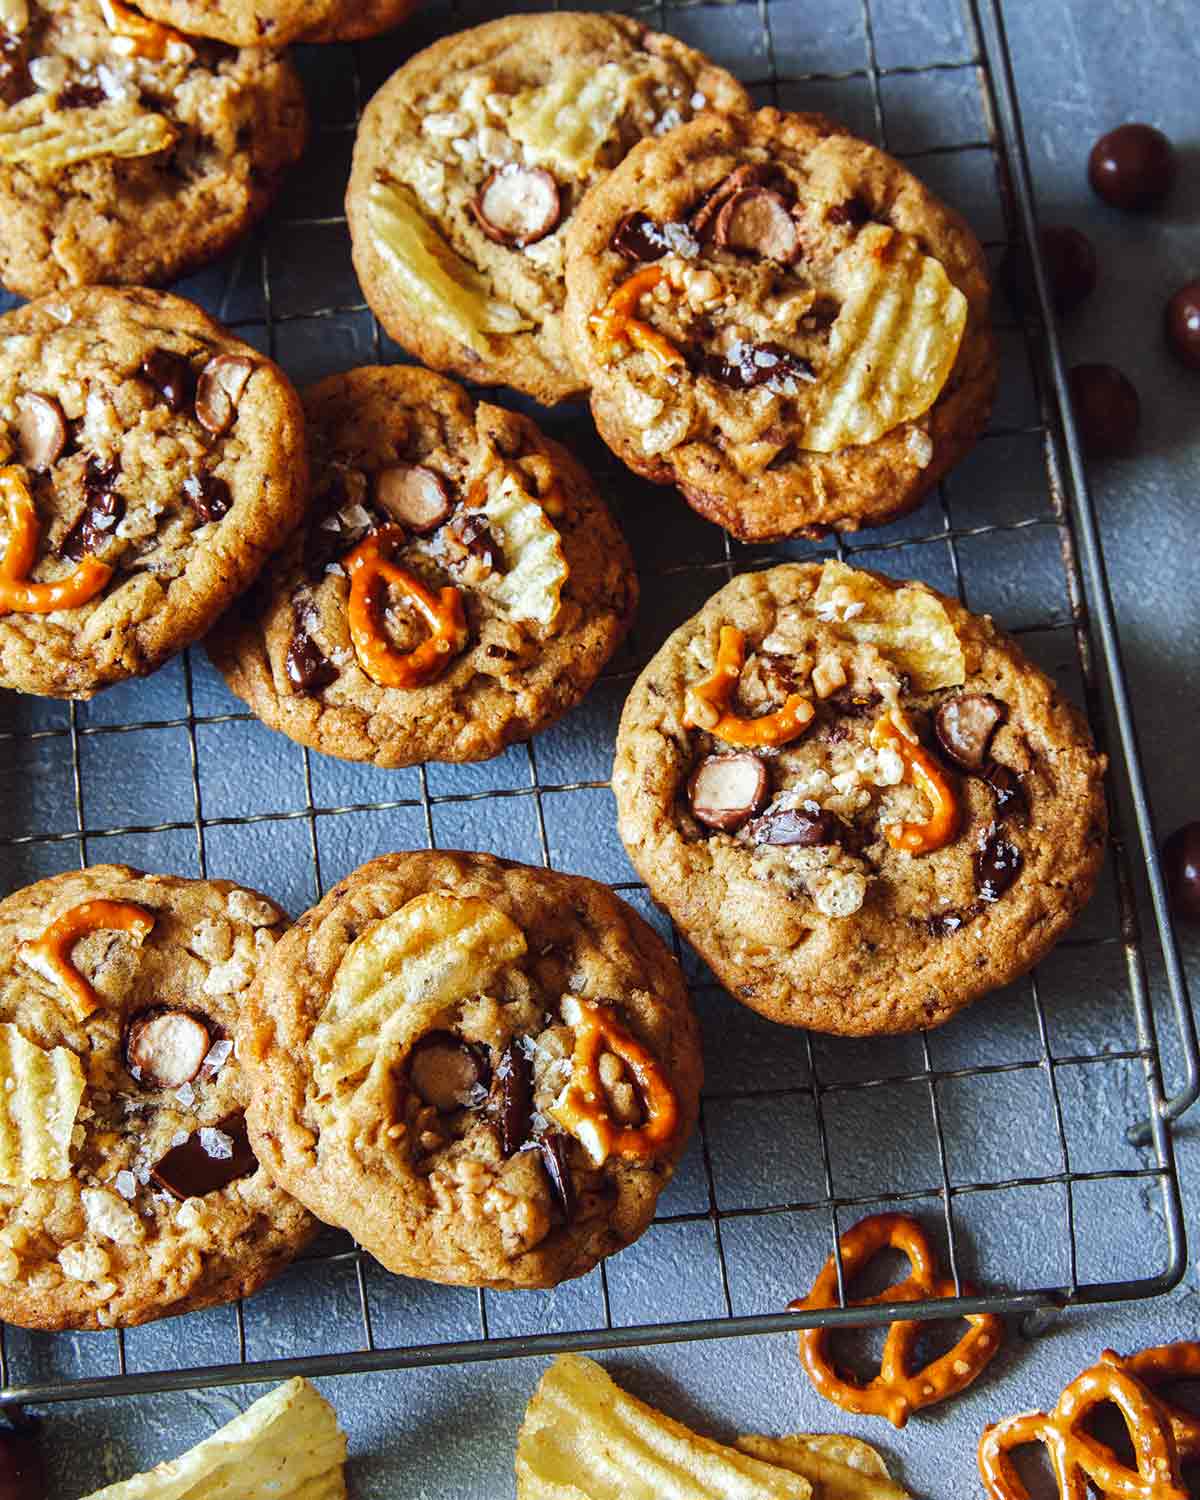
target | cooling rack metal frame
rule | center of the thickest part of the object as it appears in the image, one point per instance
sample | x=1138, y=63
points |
x=1091, y=623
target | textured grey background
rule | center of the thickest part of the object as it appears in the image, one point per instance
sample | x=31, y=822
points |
x=449, y=1433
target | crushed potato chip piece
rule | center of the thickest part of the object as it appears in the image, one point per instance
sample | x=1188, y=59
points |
x=37, y=135
x=439, y=284
x=14, y=15
x=840, y=1468
x=909, y=626
x=530, y=587
x=584, y=1438
x=287, y=1446
x=565, y=123
x=402, y=973
x=39, y=1098
x=892, y=346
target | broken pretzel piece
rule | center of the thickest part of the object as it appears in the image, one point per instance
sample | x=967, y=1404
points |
x=1162, y=1365
x=50, y=955
x=708, y=703
x=18, y=594
x=615, y=322
x=368, y=568
x=922, y=771
x=135, y=35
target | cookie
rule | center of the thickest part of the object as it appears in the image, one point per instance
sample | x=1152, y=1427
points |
x=863, y=805
x=130, y=153
x=457, y=585
x=128, y=1188
x=272, y=23
x=778, y=318
x=485, y=1072
x=149, y=463
x=470, y=163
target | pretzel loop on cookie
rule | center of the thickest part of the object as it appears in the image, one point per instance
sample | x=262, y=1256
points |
x=582, y=1109
x=615, y=322
x=898, y=1390
x=1076, y=1456
x=710, y=710
x=1159, y=1366
x=50, y=955
x=369, y=568
x=922, y=771
x=18, y=595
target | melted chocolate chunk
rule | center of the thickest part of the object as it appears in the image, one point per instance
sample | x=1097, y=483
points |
x=325, y=544
x=209, y=496
x=553, y=1148
x=468, y=536
x=853, y=212
x=997, y=863
x=638, y=237
x=947, y=923
x=189, y=1171
x=171, y=376
x=80, y=96
x=1011, y=801
x=847, y=704
x=755, y=365
x=100, y=515
x=15, y=82
x=513, y=1082
x=306, y=666
x=796, y=827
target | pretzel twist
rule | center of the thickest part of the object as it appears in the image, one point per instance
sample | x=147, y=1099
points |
x=922, y=771
x=615, y=323
x=1159, y=1366
x=368, y=568
x=18, y=595
x=898, y=1390
x=1076, y=1456
x=50, y=955
x=708, y=705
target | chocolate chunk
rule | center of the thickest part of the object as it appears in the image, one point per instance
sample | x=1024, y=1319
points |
x=171, y=376
x=1132, y=167
x=796, y=827
x=1011, y=801
x=758, y=221
x=413, y=496
x=80, y=96
x=449, y=1073
x=964, y=726
x=325, y=541
x=1181, y=871
x=164, y=1048
x=1107, y=409
x=219, y=389
x=853, y=212
x=755, y=364
x=848, y=704
x=15, y=82
x=41, y=431
x=306, y=666
x=1181, y=325
x=638, y=237
x=513, y=1083
x=468, y=541
x=998, y=862
x=189, y=1170
x=726, y=790
x=553, y=1148
x=209, y=495
x=517, y=206
x=101, y=513
x=22, y=1470
x=947, y=923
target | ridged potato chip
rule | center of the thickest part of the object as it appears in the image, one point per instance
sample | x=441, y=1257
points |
x=401, y=974
x=530, y=588
x=583, y=1438
x=909, y=626
x=892, y=345
x=436, y=279
x=840, y=1468
x=39, y=1099
x=33, y=133
x=287, y=1446
x=564, y=123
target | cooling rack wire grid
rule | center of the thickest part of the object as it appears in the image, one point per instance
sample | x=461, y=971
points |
x=1032, y=1135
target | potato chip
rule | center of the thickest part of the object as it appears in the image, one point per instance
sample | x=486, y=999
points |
x=438, y=283
x=892, y=346
x=909, y=626
x=840, y=1468
x=34, y=133
x=583, y=1438
x=402, y=973
x=14, y=15
x=564, y=123
x=39, y=1100
x=287, y=1446
x=530, y=587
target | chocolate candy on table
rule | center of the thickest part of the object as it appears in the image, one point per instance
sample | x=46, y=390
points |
x=1181, y=871
x=1181, y=324
x=1070, y=260
x=1132, y=167
x=1107, y=409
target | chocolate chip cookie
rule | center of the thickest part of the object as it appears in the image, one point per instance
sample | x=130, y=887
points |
x=128, y=1187
x=861, y=804
x=485, y=1072
x=129, y=152
x=149, y=463
x=470, y=163
x=778, y=318
x=272, y=23
x=457, y=585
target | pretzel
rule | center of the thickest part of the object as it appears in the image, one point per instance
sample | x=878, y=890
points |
x=713, y=696
x=923, y=771
x=50, y=955
x=138, y=35
x=582, y=1111
x=1075, y=1456
x=1159, y=1366
x=615, y=323
x=897, y=1391
x=368, y=567
x=17, y=594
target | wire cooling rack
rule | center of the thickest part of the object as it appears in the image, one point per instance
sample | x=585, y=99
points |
x=1032, y=1135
